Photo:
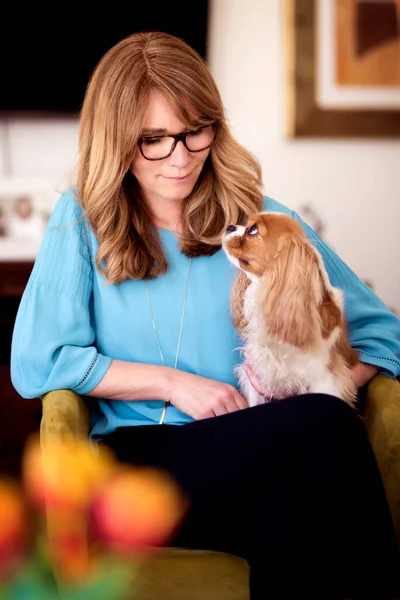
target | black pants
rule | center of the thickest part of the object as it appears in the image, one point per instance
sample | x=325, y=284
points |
x=292, y=486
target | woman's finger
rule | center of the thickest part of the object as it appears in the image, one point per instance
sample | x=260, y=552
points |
x=254, y=380
x=239, y=400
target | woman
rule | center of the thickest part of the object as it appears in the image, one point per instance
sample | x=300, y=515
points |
x=128, y=302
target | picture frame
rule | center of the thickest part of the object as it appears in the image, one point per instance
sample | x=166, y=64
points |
x=308, y=113
x=25, y=207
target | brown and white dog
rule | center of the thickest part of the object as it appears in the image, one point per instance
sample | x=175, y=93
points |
x=288, y=315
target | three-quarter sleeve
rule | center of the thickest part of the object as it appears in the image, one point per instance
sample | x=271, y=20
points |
x=54, y=343
x=374, y=330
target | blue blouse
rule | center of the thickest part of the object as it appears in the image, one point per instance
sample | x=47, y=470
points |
x=71, y=323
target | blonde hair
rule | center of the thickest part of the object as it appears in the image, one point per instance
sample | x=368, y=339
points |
x=229, y=187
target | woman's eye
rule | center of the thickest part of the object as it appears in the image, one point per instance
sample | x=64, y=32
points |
x=196, y=132
x=151, y=141
x=253, y=230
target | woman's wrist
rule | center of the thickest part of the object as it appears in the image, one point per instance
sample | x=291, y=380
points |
x=363, y=372
x=166, y=383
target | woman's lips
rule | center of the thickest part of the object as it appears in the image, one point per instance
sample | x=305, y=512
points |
x=179, y=179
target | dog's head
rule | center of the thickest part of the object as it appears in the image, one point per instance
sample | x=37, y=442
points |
x=264, y=239
x=294, y=289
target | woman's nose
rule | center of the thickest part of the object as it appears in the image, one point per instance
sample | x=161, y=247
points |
x=231, y=228
x=180, y=156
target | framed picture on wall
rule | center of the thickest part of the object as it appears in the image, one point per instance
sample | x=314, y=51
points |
x=342, y=68
x=25, y=207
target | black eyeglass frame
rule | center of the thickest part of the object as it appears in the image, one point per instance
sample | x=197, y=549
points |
x=178, y=137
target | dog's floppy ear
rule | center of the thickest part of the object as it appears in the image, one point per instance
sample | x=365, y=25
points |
x=239, y=287
x=297, y=300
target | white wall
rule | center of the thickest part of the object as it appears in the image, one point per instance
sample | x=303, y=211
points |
x=39, y=149
x=353, y=185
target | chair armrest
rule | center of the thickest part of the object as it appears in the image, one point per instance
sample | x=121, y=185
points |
x=65, y=416
x=382, y=420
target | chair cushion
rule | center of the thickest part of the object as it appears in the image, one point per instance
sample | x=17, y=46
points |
x=181, y=574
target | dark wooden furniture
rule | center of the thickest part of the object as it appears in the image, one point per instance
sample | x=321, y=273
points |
x=19, y=417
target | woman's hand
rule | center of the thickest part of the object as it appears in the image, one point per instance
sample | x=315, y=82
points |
x=201, y=398
x=258, y=387
x=254, y=380
x=363, y=372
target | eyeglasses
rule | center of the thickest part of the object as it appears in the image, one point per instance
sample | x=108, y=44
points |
x=161, y=146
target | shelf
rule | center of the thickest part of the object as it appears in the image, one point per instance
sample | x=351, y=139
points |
x=14, y=275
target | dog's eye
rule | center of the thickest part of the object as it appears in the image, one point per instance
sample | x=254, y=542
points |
x=252, y=230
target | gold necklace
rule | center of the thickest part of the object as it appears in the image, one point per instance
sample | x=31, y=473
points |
x=180, y=331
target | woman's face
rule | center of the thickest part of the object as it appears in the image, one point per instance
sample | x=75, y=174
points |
x=171, y=178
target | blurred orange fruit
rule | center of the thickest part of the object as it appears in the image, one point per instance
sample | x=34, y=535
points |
x=137, y=508
x=13, y=525
x=63, y=475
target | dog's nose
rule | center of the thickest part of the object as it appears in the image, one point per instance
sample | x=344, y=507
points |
x=231, y=228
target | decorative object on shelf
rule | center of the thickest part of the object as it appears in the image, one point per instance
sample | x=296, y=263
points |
x=342, y=68
x=310, y=215
x=25, y=207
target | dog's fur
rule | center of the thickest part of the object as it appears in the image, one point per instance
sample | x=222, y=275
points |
x=288, y=315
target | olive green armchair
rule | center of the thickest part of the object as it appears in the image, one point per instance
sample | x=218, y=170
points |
x=179, y=574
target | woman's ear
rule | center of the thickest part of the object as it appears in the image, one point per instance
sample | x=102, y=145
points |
x=238, y=290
